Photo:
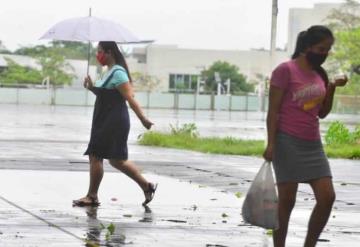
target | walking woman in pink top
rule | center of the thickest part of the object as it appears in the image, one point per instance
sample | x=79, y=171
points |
x=300, y=94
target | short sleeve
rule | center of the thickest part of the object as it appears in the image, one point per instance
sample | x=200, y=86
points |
x=120, y=76
x=280, y=77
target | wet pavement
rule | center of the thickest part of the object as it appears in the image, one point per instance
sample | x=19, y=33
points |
x=197, y=203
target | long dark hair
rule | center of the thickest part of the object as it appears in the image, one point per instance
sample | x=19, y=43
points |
x=310, y=37
x=118, y=56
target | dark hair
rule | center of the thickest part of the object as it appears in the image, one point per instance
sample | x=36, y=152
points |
x=310, y=37
x=118, y=56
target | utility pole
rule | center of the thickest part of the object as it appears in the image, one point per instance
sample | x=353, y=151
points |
x=274, y=14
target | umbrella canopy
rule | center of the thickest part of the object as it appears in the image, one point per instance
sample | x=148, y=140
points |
x=90, y=29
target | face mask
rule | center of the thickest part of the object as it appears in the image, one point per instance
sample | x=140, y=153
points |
x=316, y=59
x=100, y=56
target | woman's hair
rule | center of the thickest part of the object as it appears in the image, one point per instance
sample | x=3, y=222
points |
x=310, y=37
x=118, y=56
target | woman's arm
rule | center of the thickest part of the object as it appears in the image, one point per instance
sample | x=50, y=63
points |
x=275, y=98
x=328, y=101
x=127, y=92
x=329, y=96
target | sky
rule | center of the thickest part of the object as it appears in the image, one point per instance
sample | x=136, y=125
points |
x=198, y=24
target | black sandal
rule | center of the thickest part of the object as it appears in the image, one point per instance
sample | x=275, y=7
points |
x=93, y=202
x=149, y=194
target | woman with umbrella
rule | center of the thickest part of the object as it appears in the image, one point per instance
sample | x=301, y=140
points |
x=111, y=124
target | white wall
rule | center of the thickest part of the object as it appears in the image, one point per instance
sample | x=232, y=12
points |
x=301, y=19
x=162, y=60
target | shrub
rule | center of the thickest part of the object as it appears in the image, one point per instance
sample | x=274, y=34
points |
x=188, y=129
x=338, y=133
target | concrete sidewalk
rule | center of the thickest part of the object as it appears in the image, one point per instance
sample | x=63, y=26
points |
x=35, y=209
x=196, y=207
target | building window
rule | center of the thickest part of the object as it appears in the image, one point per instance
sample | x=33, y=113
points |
x=183, y=82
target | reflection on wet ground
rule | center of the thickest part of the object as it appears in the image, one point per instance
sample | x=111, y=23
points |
x=182, y=214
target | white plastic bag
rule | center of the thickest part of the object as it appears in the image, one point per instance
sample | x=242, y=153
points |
x=260, y=207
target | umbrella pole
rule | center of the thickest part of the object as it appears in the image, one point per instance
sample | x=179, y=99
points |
x=88, y=66
x=89, y=49
x=88, y=58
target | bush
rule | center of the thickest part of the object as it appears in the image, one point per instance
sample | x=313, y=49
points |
x=188, y=129
x=338, y=133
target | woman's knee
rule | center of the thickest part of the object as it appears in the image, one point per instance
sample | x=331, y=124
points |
x=95, y=160
x=326, y=199
x=287, y=195
x=287, y=202
x=117, y=163
x=324, y=192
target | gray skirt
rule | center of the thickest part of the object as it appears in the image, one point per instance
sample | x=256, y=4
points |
x=298, y=160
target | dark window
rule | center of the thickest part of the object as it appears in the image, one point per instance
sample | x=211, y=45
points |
x=172, y=81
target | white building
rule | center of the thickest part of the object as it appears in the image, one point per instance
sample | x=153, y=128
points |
x=171, y=64
x=301, y=19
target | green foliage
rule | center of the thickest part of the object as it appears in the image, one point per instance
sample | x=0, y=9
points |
x=226, y=71
x=344, y=144
x=338, y=133
x=52, y=61
x=356, y=134
x=32, y=51
x=110, y=231
x=17, y=74
x=345, y=151
x=69, y=49
x=144, y=82
x=238, y=194
x=345, y=22
x=205, y=145
x=188, y=129
x=55, y=67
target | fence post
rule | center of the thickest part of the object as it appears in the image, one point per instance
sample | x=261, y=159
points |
x=195, y=101
x=212, y=101
x=148, y=99
x=247, y=102
x=176, y=100
x=17, y=95
x=230, y=102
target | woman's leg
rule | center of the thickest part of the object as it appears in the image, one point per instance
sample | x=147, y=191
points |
x=131, y=170
x=325, y=197
x=96, y=175
x=287, y=198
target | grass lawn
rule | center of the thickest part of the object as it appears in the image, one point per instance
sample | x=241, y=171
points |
x=230, y=145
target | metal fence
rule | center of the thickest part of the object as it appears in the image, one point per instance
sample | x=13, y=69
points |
x=81, y=97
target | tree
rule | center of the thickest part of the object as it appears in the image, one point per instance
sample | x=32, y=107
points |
x=55, y=67
x=52, y=60
x=17, y=74
x=145, y=82
x=76, y=50
x=226, y=71
x=3, y=49
x=69, y=49
x=345, y=22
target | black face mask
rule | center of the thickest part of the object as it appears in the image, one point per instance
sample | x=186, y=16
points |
x=315, y=59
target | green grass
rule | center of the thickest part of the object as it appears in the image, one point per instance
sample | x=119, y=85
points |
x=345, y=151
x=206, y=145
x=231, y=145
